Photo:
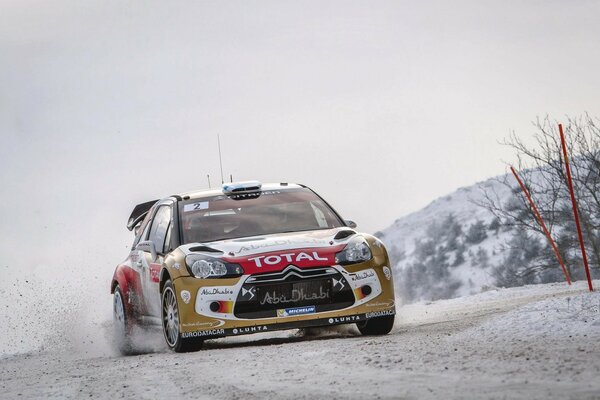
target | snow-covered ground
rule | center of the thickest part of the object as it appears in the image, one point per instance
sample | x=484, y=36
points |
x=539, y=341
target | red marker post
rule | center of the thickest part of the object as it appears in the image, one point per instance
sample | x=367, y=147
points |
x=575, y=212
x=542, y=224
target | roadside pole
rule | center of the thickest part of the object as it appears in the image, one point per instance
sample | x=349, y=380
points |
x=575, y=212
x=542, y=224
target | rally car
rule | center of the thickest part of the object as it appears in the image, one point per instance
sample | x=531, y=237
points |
x=244, y=259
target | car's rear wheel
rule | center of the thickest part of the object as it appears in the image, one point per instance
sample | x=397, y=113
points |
x=122, y=324
x=170, y=323
x=376, y=326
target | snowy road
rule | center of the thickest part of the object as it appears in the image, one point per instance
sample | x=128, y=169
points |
x=533, y=342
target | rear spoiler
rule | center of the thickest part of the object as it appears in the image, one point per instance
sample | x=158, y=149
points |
x=139, y=213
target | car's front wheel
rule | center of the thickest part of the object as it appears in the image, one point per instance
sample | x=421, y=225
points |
x=170, y=323
x=376, y=326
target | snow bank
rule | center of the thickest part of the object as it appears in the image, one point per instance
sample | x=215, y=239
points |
x=569, y=316
x=566, y=300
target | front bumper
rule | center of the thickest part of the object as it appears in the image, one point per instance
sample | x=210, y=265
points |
x=214, y=308
x=307, y=323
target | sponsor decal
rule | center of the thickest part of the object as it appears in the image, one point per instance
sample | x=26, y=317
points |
x=341, y=320
x=176, y=266
x=210, y=291
x=253, y=194
x=388, y=304
x=201, y=205
x=185, y=296
x=387, y=272
x=250, y=329
x=210, y=332
x=290, y=312
x=154, y=272
x=282, y=242
x=297, y=295
x=212, y=324
x=375, y=314
x=289, y=257
x=359, y=276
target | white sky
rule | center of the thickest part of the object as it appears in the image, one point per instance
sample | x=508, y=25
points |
x=379, y=106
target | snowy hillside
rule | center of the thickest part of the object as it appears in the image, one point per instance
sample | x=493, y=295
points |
x=455, y=247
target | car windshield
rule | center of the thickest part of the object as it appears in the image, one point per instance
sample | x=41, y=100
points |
x=253, y=214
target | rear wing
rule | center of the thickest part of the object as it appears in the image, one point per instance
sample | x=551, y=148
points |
x=139, y=213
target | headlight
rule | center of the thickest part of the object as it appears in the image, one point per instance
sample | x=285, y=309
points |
x=208, y=267
x=356, y=251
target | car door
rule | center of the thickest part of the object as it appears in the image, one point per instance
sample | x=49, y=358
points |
x=139, y=260
x=159, y=233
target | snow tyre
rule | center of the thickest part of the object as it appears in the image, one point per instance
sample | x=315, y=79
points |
x=376, y=326
x=170, y=323
x=122, y=323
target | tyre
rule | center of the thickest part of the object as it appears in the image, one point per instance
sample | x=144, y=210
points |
x=376, y=326
x=170, y=323
x=122, y=324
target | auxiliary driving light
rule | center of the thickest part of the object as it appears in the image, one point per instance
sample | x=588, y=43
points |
x=366, y=290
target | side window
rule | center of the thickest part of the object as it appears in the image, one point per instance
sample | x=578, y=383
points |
x=143, y=230
x=160, y=227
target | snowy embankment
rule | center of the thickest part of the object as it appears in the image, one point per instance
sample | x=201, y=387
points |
x=455, y=246
x=454, y=240
x=534, y=342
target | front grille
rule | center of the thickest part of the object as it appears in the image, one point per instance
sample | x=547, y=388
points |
x=292, y=271
x=262, y=295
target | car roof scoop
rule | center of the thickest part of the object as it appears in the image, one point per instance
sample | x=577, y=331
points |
x=242, y=187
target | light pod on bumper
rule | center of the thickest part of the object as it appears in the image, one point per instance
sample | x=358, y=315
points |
x=206, y=267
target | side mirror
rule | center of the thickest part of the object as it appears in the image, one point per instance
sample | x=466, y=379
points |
x=350, y=224
x=147, y=246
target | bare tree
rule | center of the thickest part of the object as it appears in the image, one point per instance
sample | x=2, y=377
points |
x=543, y=172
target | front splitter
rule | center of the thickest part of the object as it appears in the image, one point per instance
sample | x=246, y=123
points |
x=279, y=326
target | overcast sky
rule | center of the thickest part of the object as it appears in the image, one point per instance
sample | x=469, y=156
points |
x=379, y=106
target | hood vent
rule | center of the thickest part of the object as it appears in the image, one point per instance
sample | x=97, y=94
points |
x=205, y=249
x=343, y=234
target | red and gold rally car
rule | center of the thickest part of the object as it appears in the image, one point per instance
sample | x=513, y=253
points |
x=248, y=258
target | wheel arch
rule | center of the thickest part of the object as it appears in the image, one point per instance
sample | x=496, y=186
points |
x=128, y=281
x=113, y=286
x=164, y=277
x=121, y=278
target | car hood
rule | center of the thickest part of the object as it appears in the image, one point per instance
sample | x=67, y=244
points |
x=249, y=246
